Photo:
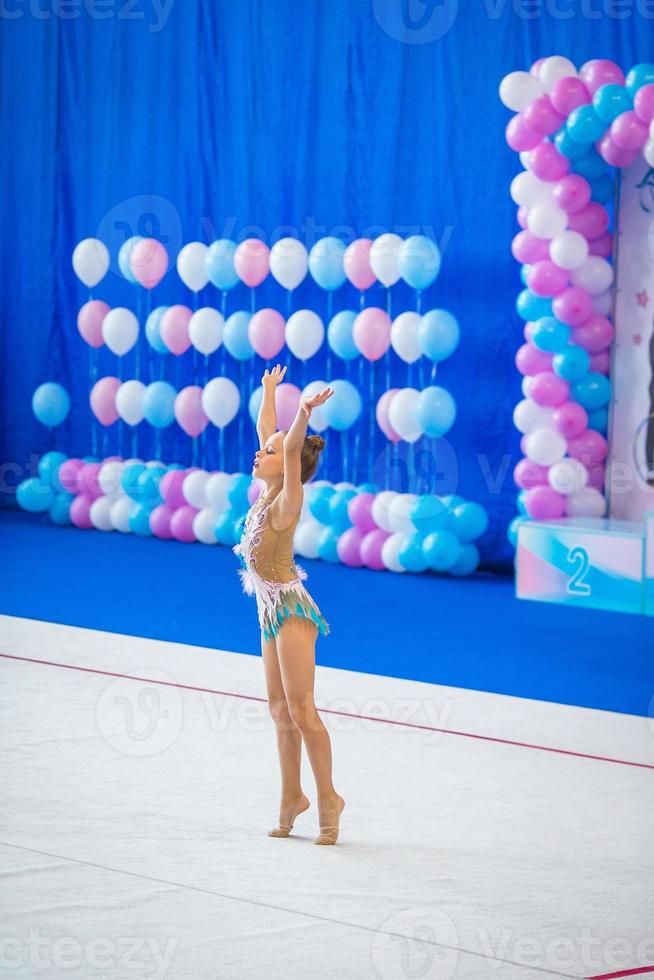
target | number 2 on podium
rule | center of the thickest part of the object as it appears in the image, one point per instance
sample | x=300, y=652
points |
x=576, y=586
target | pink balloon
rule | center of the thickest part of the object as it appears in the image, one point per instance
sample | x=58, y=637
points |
x=372, y=332
x=602, y=246
x=181, y=523
x=601, y=362
x=528, y=330
x=544, y=503
x=173, y=328
x=528, y=474
x=595, y=334
x=359, y=511
x=591, y=222
x=589, y=447
x=520, y=136
x=547, y=163
x=287, y=401
x=523, y=443
x=160, y=519
x=546, y=279
x=569, y=93
x=348, y=547
x=535, y=68
x=549, y=389
x=644, y=103
x=523, y=215
x=148, y=261
x=614, y=154
x=572, y=193
x=572, y=306
x=103, y=399
x=356, y=262
x=68, y=474
x=170, y=487
x=189, y=412
x=600, y=71
x=628, y=131
x=531, y=360
x=381, y=414
x=371, y=549
x=597, y=477
x=87, y=480
x=570, y=419
x=527, y=248
x=254, y=490
x=266, y=332
x=252, y=262
x=541, y=116
x=80, y=512
x=89, y=321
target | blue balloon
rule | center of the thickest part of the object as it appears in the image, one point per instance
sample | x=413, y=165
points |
x=254, y=404
x=584, y=125
x=599, y=420
x=570, y=148
x=435, y=411
x=368, y=488
x=139, y=520
x=147, y=485
x=639, y=75
x=319, y=503
x=219, y=264
x=593, y=391
x=60, y=508
x=419, y=261
x=129, y=479
x=601, y=189
x=344, y=407
x=124, y=256
x=235, y=335
x=226, y=529
x=590, y=165
x=50, y=403
x=411, y=555
x=438, y=334
x=49, y=466
x=159, y=404
x=441, y=549
x=549, y=334
x=512, y=530
x=452, y=500
x=339, y=335
x=571, y=362
x=524, y=273
x=152, y=333
x=339, y=518
x=529, y=306
x=610, y=101
x=328, y=545
x=91, y=459
x=467, y=561
x=237, y=491
x=326, y=262
x=429, y=513
x=468, y=521
x=34, y=496
x=521, y=501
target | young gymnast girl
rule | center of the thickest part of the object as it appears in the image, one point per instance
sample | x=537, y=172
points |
x=288, y=616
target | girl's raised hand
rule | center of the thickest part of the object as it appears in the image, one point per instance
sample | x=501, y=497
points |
x=309, y=402
x=273, y=378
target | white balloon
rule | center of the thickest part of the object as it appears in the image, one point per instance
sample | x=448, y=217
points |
x=220, y=401
x=404, y=336
x=518, y=89
x=648, y=149
x=554, y=68
x=216, y=489
x=129, y=401
x=403, y=414
x=304, y=333
x=567, y=476
x=528, y=415
x=603, y=304
x=205, y=329
x=546, y=221
x=204, y=525
x=120, y=513
x=398, y=513
x=526, y=188
x=589, y=502
x=289, y=262
x=391, y=549
x=545, y=446
x=90, y=261
x=109, y=477
x=120, y=330
x=306, y=537
x=569, y=250
x=344, y=485
x=526, y=384
x=384, y=258
x=595, y=275
x=100, y=514
x=380, y=509
x=191, y=266
x=194, y=489
x=317, y=422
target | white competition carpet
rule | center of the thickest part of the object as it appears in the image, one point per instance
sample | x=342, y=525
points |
x=484, y=836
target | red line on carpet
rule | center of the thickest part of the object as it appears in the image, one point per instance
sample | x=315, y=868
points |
x=622, y=973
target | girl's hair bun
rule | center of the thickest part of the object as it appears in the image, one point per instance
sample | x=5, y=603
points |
x=316, y=441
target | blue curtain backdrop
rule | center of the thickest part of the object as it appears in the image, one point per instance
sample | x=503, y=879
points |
x=198, y=119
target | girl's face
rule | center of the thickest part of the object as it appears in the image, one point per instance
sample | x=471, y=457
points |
x=269, y=460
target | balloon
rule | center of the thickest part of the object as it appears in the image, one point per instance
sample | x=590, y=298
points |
x=520, y=136
x=639, y=75
x=139, y=520
x=50, y=403
x=80, y=512
x=644, y=103
x=595, y=334
x=287, y=401
x=221, y=401
x=610, y=101
x=438, y=334
x=403, y=414
x=48, y=466
x=468, y=560
x=528, y=416
x=542, y=117
x=100, y=514
x=181, y=524
x=204, y=526
x=568, y=93
x=411, y=554
x=593, y=391
x=326, y=262
x=615, y=155
x=344, y=407
x=435, y=411
x=215, y=490
x=584, y=125
x=371, y=549
x=595, y=275
x=372, y=333
x=120, y=330
x=404, y=336
x=219, y=264
x=205, y=330
x=384, y=258
x=527, y=248
x=152, y=330
x=189, y=412
x=356, y=264
x=547, y=163
x=544, y=503
x=34, y=496
x=530, y=359
x=528, y=474
x=120, y=513
x=571, y=362
x=90, y=261
x=419, y=261
x=235, y=335
x=304, y=333
x=572, y=306
x=549, y=334
x=266, y=333
x=546, y=279
x=289, y=262
x=159, y=404
x=124, y=257
x=532, y=307
x=148, y=261
x=569, y=250
x=548, y=389
x=570, y=419
x=553, y=69
x=518, y=89
x=89, y=322
x=381, y=414
x=441, y=550
x=103, y=399
x=317, y=422
x=571, y=193
x=191, y=266
x=468, y=521
x=174, y=328
x=546, y=220
x=340, y=335
x=545, y=446
x=599, y=72
x=567, y=476
x=129, y=401
x=586, y=503
x=252, y=261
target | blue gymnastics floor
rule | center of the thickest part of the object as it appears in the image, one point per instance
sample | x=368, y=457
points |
x=470, y=633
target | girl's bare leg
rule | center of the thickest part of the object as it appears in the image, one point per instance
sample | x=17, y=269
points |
x=289, y=737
